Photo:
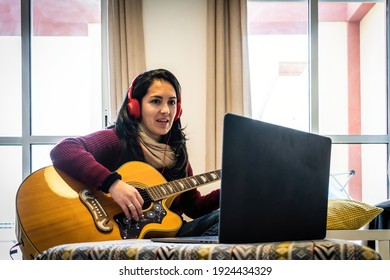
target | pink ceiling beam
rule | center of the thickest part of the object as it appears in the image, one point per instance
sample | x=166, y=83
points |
x=51, y=18
x=277, y=11
x=9, y=18
x=357, y=12
x=278, y=28
x=64, y=18
x=291, y=17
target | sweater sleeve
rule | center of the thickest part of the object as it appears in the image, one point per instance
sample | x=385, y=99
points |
x=91, y=159
x=193, y=204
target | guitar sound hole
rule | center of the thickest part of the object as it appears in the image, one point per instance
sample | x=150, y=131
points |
x=146, y=205
x=147, y=200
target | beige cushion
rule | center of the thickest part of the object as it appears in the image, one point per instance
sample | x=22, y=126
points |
x=349, y=214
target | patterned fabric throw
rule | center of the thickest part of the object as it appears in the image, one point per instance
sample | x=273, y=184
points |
x=138, y=249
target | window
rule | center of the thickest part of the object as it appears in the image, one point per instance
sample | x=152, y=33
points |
x=65, y=67
x=50, y=87
x=321, y=67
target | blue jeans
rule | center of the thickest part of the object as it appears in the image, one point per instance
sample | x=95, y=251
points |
x=205, y=225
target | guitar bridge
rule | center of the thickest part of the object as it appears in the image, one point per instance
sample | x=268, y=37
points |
x=99, y=216
x=130, y=229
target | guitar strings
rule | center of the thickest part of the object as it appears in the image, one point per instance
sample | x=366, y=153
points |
x=145, y=196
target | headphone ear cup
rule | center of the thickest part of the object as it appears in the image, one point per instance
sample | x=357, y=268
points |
x=179, y=111
x=134, y=108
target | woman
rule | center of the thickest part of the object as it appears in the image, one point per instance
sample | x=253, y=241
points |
x=147, y=129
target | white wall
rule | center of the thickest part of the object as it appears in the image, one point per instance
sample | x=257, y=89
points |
x=373, y=94
x=175, y=39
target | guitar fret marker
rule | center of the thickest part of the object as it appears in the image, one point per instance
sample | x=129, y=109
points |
x=170, y=188
x=194, y=181
x=163, y=190
x=204, y=179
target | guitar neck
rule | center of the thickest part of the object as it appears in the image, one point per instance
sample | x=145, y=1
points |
x=182, y=185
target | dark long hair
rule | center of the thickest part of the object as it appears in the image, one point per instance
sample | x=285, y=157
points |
x=127, y=127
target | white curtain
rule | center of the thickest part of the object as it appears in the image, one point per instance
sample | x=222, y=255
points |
x=228, y=83
x=126, y=49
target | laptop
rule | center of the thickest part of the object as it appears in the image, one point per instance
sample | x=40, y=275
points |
x=274, y=184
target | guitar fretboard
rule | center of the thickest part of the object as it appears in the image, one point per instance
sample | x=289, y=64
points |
x=178, y=186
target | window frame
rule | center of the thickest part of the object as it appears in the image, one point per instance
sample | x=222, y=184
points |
x=313, y=64
x=27, y=140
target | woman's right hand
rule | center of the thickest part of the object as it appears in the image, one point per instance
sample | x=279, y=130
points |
x=128, y=198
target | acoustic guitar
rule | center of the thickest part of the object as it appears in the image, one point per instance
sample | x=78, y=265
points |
x=52, y=208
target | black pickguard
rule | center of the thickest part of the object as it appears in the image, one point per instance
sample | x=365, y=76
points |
x=132, y=229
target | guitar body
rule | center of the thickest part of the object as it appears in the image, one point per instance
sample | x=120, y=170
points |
x=50, y=212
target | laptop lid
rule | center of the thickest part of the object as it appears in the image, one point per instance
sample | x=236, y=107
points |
x=274, y=183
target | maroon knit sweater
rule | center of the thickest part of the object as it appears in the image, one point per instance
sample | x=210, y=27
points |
x=92, y=158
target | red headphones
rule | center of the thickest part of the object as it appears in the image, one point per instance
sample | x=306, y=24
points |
x=134, y=108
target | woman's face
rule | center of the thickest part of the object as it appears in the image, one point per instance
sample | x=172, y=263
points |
x=158, y=109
